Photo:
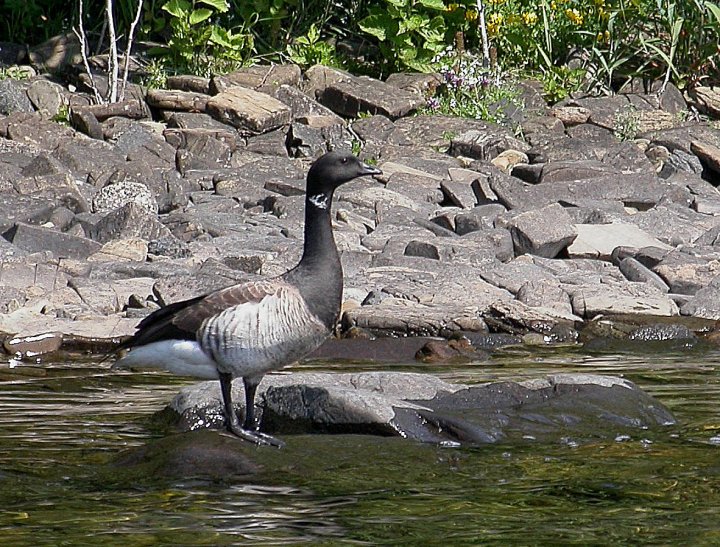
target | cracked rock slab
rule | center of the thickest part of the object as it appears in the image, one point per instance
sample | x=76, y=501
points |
x=582, y=407
x=249, y=110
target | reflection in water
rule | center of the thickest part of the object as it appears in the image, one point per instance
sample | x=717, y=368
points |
x=62, y=422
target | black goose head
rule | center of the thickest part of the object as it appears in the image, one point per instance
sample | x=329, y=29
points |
x=333, y=169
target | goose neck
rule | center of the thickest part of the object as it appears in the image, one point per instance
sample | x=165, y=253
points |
x=319, y=248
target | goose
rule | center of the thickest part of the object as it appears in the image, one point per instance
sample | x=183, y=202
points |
x=249, y=329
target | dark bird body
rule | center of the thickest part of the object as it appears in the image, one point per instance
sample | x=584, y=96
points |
x=250, y=329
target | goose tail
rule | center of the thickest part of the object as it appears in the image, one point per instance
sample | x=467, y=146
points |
x=181, y=357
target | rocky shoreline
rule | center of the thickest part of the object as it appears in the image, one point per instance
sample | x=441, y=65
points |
x=557, y=233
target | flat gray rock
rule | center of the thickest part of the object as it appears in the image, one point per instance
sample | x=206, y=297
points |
x=559, y=408
x=560, y=171
x=356, y=94
x=599, y=240
x=32, y=129
x=628, y=298
x=485, y=145
x=705, y=303
x=422, y=306
x=16, y=208
x=248, y=110
x=673, y=223
x=62, y=245
x=259, y=77
x=436, y=131
x=645, y=190
x=543, y=232
x=29, y=322
x=687, y=273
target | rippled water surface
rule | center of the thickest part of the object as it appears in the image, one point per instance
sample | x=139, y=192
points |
x=62, y=422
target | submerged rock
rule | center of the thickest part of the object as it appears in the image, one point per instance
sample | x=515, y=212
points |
x=197, y=454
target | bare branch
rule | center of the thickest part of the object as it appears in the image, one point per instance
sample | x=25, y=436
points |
x=483, y=32
x=113, y=66
x=80, y=33
x=128, y=50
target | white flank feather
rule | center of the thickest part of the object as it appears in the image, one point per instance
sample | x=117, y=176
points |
x=254, y=338
x=182, y=357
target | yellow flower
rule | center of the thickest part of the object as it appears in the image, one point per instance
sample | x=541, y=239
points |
x=530, y=18
x=574, y=16
x=494, y=22
x=604, y=37
x=452, y=7
x=471, y=15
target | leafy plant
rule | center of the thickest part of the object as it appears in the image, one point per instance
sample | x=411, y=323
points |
x=310, y=50
x=626, y=123
x=612, y=40
x=679, y=39
x=471, y=90
x=63, y=115
x=559, y=81
x=155, y=74
x=198, y=45
x=410, y=32
x=276, y=24
x=15, y=73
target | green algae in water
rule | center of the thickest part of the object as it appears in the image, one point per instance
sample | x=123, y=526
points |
x=62, y=424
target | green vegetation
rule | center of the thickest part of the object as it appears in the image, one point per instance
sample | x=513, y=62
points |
x=63, y=115
x=470, y=90
x=625, y=123
x=198, y=44
x=609, y=41
x=14, y=72
x=410, y=33
x=310, y=49
x=593, y=45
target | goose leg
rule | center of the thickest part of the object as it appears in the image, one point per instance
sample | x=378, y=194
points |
x=251, y=383
x=232, y=422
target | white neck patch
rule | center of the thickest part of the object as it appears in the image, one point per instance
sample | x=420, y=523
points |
x=320, y=201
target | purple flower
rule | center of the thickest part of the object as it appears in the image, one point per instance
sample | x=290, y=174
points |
x=433, y=103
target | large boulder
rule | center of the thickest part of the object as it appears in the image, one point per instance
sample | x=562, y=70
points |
x=558, y=408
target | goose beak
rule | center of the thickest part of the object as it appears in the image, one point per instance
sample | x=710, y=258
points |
x=370, y=170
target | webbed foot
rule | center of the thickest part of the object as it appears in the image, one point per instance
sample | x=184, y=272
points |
x=254, y=436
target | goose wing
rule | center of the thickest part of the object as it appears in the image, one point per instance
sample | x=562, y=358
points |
x=182, y=320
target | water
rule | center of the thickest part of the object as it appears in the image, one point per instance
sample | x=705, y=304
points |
x=62, y=421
